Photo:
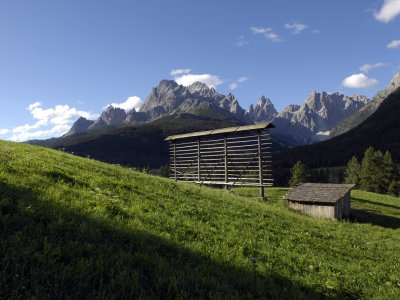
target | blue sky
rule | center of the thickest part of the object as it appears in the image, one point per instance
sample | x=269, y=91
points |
x=62, y=59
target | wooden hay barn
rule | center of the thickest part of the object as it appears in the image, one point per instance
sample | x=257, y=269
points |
x=321, y=200
x=234, y=156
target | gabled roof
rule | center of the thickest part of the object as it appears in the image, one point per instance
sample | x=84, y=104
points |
x=220, y=131
x=318, y=192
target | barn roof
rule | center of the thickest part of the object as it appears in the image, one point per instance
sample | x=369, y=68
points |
x=318, y=192
x=220, y=131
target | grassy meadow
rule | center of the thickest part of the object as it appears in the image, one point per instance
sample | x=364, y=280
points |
x=73, y=228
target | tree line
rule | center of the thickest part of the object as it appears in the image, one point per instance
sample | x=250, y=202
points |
x=375, y=173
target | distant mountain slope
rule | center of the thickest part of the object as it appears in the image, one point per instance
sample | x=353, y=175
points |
x=143, y=145
x=381, y=130
x=362, y=114
x=140, y=145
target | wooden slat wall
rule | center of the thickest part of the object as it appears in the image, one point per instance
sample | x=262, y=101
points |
x=226, y=159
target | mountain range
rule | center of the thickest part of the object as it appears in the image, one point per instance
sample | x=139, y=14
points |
x=380, y=130
x=136, y=138
x=320, y=117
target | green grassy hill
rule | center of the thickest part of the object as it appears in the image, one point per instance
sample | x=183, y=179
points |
x=76, y=228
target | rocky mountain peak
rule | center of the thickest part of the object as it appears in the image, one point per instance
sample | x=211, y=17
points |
x=263, y=111
x=395, y=82
x=266, y=103
x=203, y=90
x=198, y=87
x=166, y=84
x=112, y=116
x=317, y=116
x=81, y=125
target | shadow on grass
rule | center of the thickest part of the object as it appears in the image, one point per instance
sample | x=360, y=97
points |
x=370, y=217
x=376, y=203
x=49, y=251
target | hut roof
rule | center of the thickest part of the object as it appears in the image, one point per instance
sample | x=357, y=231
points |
x=258, y=126
x=318, y=192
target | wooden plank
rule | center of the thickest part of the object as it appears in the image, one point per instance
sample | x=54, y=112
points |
x=237, y=183
x=221, y=131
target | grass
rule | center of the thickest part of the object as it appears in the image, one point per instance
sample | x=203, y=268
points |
x=76, y=228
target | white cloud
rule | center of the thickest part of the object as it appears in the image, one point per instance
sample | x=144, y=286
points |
x=394, y=44
x=132, y=102
x=183, y=77
x=27, y=127
x=367, y=67
x=296, y=28
x=179, y=71
x=4, y=131
x=316, y=31
x=41, y=134
x=58, y=115
x=359, y=81
x=241, y=41
x=389, y=11
x=208, y=79
x=33, y=105
x=266, y=32
x=233, y=85
x=49, y=122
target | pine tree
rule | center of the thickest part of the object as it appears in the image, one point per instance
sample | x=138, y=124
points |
x=353, y=170
x=394, y=188
x=388, y=170
x=299, y=174
x=369, y=175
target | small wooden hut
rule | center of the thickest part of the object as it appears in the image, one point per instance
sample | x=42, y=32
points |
x=321, y=200
x=234, y=156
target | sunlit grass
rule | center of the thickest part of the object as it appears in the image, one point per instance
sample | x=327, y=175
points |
x=73, y=227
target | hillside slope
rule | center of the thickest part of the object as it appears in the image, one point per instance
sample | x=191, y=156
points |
x=139, y=145
x=72, y=227
x=361, y=115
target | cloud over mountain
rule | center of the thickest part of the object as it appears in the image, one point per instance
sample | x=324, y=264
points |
x=359, y=81
x=133, y=102
x=183, y=77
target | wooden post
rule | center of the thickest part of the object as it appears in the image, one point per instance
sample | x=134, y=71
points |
x=226, y=160
x=198, y=160
x=175, y=160
x=260, y=167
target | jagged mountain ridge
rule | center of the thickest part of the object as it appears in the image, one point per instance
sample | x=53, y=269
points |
x=366, y=111
x=170, y=98
x=296, y=124
x=167, y=98
x=380, y=130
x=312, y=121
x=263, y=111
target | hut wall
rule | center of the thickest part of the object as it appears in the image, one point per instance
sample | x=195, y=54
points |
x=346, y=210
x=339, y=209
x=342, y=207
x=313, y=210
